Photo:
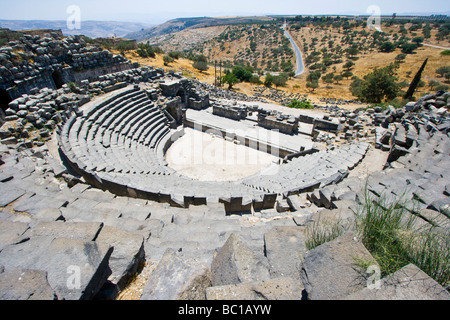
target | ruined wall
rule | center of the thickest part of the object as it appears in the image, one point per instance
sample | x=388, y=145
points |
x=50, y=61
x=235, y=113
x=281, y=123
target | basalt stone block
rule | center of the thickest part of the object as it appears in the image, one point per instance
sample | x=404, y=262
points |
x=273, y=289
x=127, y=255
x=269, y=200
x=408, y=283
x=330, y=271
x=76, y=269
x=236, y=204
x=177, y=278
x=87, y=231
x=285, y=249
x=236, y=263
x=396, y=152
x=11, y=232
x=25, y=285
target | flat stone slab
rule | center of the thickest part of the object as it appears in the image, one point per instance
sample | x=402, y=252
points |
x=273, y=289
x=9, y=194
x=408, y=283
x=330, y=271
x=76, y=269
x=177, y=278
x=25, y=285
x=87, y=231
x=11, y=232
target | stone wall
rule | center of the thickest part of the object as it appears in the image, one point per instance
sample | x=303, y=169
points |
x=50, y=61
x=285, y=124
x=231, y=112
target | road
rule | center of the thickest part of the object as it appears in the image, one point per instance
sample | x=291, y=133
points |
x=433, y=46
x=298, y=53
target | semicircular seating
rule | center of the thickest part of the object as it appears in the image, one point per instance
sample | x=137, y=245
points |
x=119, y=145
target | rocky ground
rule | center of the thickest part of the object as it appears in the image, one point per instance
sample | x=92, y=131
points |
x=63, y=239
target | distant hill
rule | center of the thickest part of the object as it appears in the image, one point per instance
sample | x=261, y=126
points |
x=92, y=29
x=180, y=24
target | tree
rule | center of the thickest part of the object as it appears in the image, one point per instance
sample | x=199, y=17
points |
x=433, y=84
x=378, y=85
x=243, y=73
x=253, y=45
x=314, y=76
x=400, y=58
x=387, y=46
x=200, y=62
x=348, y=65
x=328, y=78
x=312, y=84
x=426, y=30
x=269, y=80
x=347, y=74
x=280, y=81
x=443, y=70
x=167, y=59
x=352, y=52
x=200, y=65
x=416, y=81
x=338, y=78
x=408, y=47
x=175, y=54
x=418, y=40
x=230, y=79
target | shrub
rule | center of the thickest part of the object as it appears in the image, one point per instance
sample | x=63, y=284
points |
x=175, y=54
x=145, y=50
x=302, y=104
x=125, y=45
x=280, y=81
x=167, y=59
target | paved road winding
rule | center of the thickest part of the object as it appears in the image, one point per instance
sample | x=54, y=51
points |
x=298, y=53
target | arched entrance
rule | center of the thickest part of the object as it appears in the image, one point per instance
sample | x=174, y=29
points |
x=5, y=99
x=57, y=79
x=182, y=94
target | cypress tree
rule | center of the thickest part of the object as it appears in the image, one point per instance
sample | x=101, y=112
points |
x=415, y=82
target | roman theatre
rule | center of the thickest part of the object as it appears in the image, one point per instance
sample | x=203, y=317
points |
x=196, y=152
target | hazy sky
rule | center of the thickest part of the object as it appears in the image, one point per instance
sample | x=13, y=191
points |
x=158, y=11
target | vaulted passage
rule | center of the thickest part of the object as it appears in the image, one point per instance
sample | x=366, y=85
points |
x=57, y=79
x=5, y=99
x=182, y=94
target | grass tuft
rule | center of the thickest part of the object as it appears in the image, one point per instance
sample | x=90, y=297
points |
x=390, y=232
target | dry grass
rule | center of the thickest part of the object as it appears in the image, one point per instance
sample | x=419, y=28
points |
x=364, y=65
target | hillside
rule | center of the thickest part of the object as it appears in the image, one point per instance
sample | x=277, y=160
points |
x=327, y=46
x=186, y=39
x=92, y=29
x=180, y=24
